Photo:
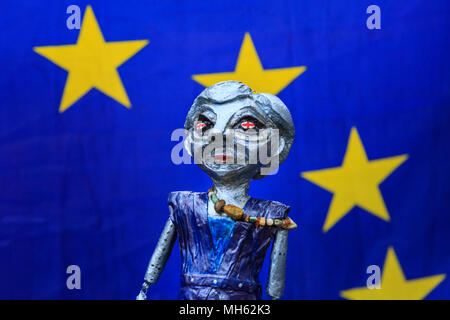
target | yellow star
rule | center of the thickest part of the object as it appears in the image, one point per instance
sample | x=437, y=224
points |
x=92, y=63
x=356, y=182
x=250, y=71
x=394, y=285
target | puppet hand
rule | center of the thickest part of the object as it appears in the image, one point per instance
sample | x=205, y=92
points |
x=143, y=293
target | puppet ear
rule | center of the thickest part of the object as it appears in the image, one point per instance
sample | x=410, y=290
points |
x=275, y=161
x=188, y=142
x=281, y=146
x=279, y=113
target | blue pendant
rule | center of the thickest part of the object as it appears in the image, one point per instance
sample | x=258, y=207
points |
x=221, y=232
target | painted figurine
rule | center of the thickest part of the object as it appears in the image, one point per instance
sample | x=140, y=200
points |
x=223, y=233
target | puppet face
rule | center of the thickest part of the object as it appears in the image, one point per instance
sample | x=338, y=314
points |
x=234, y=136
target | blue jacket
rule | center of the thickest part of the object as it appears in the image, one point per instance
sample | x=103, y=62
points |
x=221, y=261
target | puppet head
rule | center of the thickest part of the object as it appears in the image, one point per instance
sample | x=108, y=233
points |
x=236, y=134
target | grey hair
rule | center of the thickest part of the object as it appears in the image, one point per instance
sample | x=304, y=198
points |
x=218, y=93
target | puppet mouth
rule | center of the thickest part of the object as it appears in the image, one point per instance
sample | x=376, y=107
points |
x=222, y=158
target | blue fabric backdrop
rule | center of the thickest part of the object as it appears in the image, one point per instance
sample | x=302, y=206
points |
x=89, y=186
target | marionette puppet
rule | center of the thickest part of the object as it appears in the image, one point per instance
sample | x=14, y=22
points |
x=235, y=135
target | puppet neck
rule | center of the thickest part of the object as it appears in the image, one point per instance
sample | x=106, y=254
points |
x=233, y=193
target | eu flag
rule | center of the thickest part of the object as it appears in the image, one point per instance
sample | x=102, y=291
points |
x=91, y=93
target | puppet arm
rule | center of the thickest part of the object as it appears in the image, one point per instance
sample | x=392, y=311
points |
x=159, y=258
x=277, y=270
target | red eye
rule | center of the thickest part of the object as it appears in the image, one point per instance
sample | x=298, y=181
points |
x=247, y=125
x=200, y=126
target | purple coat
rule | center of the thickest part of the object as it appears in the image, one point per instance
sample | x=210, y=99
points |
x=214, y=267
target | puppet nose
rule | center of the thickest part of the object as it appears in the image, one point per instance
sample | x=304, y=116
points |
x=220, y=126
x=219, y=135
x=213, y=133
x=218, y=131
